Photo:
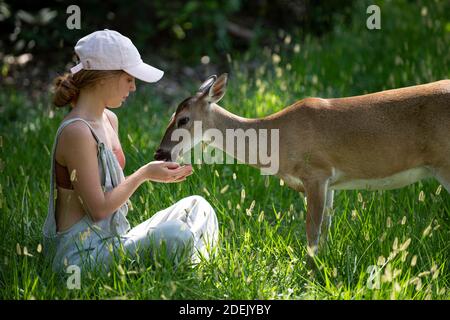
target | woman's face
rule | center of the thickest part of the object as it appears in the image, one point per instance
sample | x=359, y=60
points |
x=118, y=89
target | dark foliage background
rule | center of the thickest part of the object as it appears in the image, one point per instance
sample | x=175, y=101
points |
x=180, y=32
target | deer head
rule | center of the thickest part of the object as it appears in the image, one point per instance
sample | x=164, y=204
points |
x=190, y=110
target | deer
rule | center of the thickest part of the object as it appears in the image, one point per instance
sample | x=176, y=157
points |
x=376, y=141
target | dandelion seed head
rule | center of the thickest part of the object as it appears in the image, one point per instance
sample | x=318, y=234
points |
x=242, y=195
x=120, y=269
x=405, y=245
x=232, y=227
x=434, y=271
x=360, y=197
x=105, y=286
x=388, y=222
x=421, y=196
x=404, y=255
x=427, y=231
x=261, y=216
x=206, y=191
x=392, y=255
x=403, y=220
x=424, y=274
x=395, y=244
x=418, y=283
x=414, y=261
x=224, y=189
x=26, y=253
x=435, y=275
x=387, y=276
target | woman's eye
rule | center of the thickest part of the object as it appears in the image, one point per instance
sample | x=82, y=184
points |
x=183, y=121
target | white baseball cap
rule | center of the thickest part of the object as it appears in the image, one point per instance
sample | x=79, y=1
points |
x=109, y=50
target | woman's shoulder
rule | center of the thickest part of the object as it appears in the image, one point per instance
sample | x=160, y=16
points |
x=75, y=135
x=76, y=132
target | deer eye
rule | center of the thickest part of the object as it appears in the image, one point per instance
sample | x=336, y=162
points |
x=183, y=121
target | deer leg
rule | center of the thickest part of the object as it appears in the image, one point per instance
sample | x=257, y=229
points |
x=443, y=176
x=316, y=194
x=327, y=217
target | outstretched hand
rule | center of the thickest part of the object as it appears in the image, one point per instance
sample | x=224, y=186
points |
x=161, y=171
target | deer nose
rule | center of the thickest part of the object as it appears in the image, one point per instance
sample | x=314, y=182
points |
x=162, y=155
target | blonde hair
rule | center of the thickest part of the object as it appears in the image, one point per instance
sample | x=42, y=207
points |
x=68, y=86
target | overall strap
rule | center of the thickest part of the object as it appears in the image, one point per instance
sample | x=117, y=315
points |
x=49, y=229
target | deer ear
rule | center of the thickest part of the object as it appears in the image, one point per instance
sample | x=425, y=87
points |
x=207, y=83
x=218, y=89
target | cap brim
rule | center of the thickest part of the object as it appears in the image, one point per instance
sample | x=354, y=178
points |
x=145, y=72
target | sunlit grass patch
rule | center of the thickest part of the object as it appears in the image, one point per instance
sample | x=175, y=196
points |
x=382, y=245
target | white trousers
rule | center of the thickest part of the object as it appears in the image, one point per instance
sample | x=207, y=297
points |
x=188, y=228
x=189, y=224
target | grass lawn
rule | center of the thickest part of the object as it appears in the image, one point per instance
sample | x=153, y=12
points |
x=404, y=234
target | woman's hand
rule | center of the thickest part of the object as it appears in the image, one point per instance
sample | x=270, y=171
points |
x=160, y=171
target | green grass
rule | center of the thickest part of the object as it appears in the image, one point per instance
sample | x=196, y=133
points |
x=404, y=232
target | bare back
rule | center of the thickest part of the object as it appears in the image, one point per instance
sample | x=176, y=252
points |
x=69, y=208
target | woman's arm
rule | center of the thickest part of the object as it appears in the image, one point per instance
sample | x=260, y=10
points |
x=82, y=163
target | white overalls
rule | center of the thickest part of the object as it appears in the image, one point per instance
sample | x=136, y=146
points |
x=190, y=224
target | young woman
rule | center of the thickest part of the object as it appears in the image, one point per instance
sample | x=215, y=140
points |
x=86, y=223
